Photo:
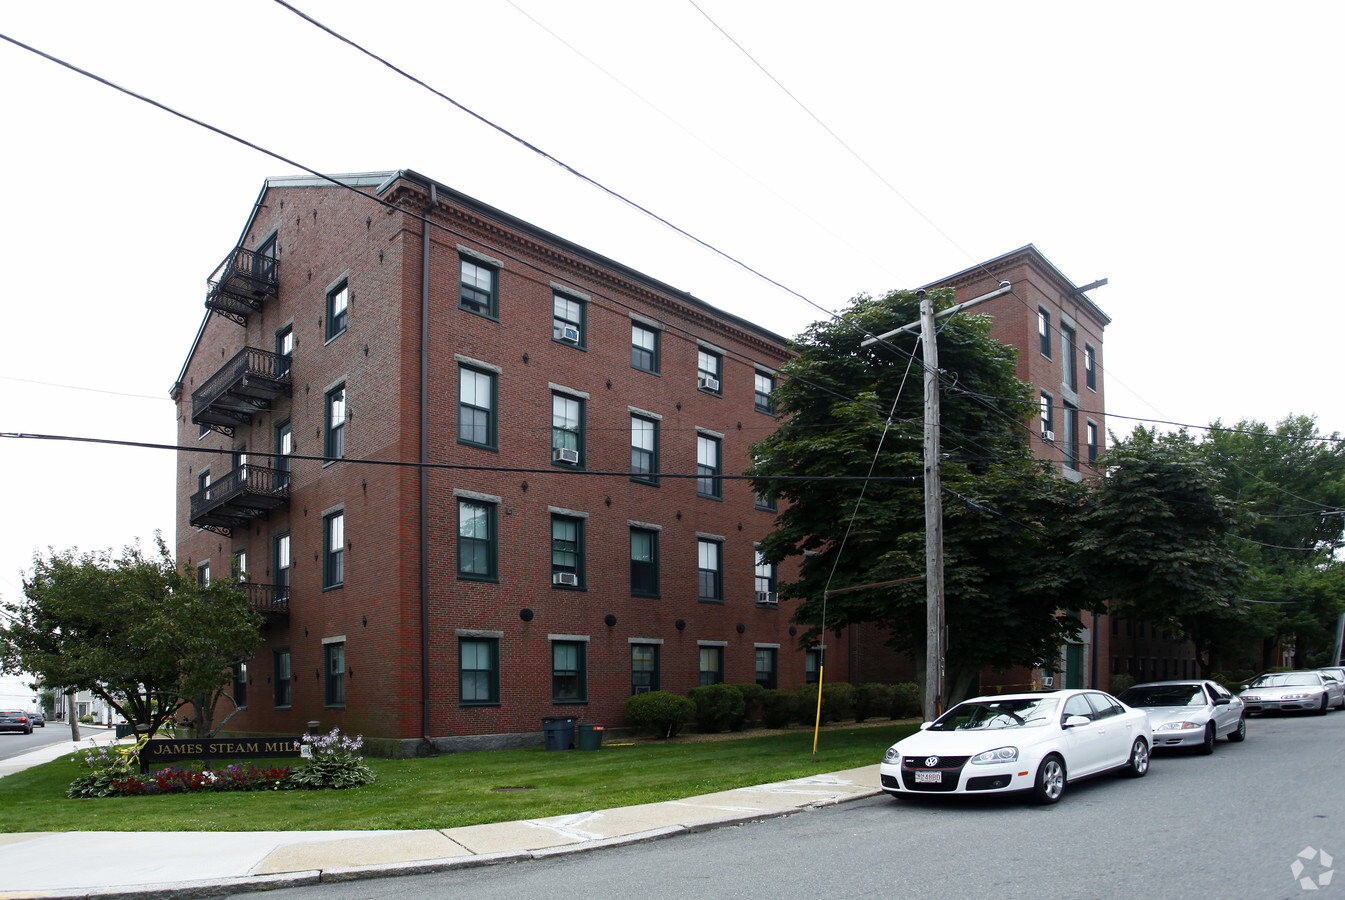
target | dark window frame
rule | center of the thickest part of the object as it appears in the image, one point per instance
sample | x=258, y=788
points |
x=579, y=321
x=772, y=676
x=492, y=670
x=491, y=438
x=644, y=677
x=338, y=320
x=564, y=694
x=578, y=552
x=334, y=433
x=639, y=353
x=490, y=542
x=1044, y=331
x=651, y=476
x=702, y=372
x=1090, y=366
x=333, y=558
x=283, y=676
x=713, y=577
x=557, y=431
x=644, y=571
x=334, y=676
x=709, y=478
x=469, y=293
x=763, y=402
x=713, y=675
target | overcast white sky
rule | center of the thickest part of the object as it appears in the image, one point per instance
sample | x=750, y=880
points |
x=1190, y=153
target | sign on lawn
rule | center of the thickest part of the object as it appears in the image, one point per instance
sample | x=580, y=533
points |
x=166, y=751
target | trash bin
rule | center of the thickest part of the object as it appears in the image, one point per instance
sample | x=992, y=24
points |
x=590, y=737
x=558, y=732
x=125, y=729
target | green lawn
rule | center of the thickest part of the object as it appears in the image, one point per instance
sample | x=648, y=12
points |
x=453, y=790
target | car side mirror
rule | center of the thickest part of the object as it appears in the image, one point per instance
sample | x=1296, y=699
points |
x=1076, y=721
x=924, y=725
x=1244, y=687
x=1222, y=701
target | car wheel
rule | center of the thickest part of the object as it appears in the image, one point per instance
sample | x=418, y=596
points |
x=1050, y=784
x=1239, y=733
x=1138, y=764
x=1322, y=710
x=1207, y=746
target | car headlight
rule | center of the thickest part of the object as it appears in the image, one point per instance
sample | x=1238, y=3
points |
x=1251, y=697
x=998, y=755
x=1178, y=726
x=1299, y=696
x=891, y=755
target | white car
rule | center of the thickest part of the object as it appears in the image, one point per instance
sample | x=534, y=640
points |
x=1302, y=691
x=1189, y=713
x=1036, y=742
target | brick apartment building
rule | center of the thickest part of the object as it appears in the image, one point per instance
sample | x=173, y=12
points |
x=530, y=519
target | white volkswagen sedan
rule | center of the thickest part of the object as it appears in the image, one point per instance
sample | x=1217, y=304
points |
x=1037, y=742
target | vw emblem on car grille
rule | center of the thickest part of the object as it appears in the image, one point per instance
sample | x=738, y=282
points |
x=931, y=761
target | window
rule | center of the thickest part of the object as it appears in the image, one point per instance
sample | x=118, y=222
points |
x=568, y=681
x=203, y=574
x=1047, y=418
x=765, y=387
x=476, y=407
x=281, y=659
x=766, y=667
x=643, y=668
x=335, y=448
x=282, y=567
x=476, y=540
x=1068, y=375
x=567, y=319
x=709, y=365
x=285, y=348
x=707, y=467
x=240, y=572
x=766, y=595
x=284, y=449
x=643, y=449
x=812, y=664
x=241, y=685
x=712, y=665
x=1044, y=331
x=567, y=551
x=334, y=665
x=709, y=581
x=1090, y=367
x=644, y=562
x=567, y=430
x=1070, y=422
x=476, y=288
x=203, y=484
x=333, y=550
x=1092, y=443
x=264, y=262
x=338, y=303
x=643, y=348
x=766, y=503
x=479, y=671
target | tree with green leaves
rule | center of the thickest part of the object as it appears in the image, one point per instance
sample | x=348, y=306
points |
x=1292, y=480
x=137, y=631
x=1154, y=541
x=854, y=411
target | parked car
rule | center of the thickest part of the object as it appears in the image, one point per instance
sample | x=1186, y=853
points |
x=1038, y=742
x=38, y=718
x=15, y=720
x=1189, y=713
x=1336, y=672
x=1308, y=691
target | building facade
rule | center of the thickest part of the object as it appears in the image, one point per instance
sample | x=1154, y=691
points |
x=471, y=474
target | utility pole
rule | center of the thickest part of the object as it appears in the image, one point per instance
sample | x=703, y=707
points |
x=936, y=631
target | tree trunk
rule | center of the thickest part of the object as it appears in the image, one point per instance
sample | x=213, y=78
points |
x=73, y=713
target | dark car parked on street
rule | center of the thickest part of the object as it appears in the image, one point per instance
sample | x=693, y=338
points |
x=15, y=720
x=38, y=718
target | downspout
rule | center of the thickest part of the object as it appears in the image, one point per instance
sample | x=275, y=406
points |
x=423, y=471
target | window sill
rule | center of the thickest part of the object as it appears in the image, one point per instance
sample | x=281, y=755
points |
x=333, y=587
x=332, y=337
x=652, y=482
x=655, y=372
x=556, y=702
x=480, y=579
x=571, y=344
x=484, y=704
x=494, y=317
x=491, y=447
x=710, y=600
x=577, y=588
x=709, y=497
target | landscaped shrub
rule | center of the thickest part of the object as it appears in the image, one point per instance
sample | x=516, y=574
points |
x=662, y=711
x=113, y=772
x=752, y=693
x=336, y=762
x=803, y=709
x=838, y=701
x=719, y=707
x=906, y=700
x=776, y=708
x=873, y=701
x=108, y=765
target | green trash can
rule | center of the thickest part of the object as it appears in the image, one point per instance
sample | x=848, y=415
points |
x=590, y=737
x=125, y=729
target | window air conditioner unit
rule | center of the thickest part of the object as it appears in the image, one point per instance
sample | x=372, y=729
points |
x=566, y=578
x=642, y=689
x=1048, y=681
x=570, y=333
x=565, y=455
x=709, y=384
x=767, y=598
x=1048, y=436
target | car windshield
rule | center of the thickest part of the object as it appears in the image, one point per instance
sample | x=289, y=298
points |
x=1164, y=695
x=1288, y=679
x=981, y=715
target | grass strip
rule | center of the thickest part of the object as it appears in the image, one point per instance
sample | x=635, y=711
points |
x=456, y=789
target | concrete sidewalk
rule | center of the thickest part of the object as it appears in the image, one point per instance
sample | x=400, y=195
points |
x=111, y=864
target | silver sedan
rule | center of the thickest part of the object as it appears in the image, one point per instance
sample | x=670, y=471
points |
x=1189, y=713
x=1293, y=692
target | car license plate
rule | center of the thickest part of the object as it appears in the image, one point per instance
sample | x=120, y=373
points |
x=929, y=778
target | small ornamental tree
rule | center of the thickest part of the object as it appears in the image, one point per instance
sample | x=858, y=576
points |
x=135, y=630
